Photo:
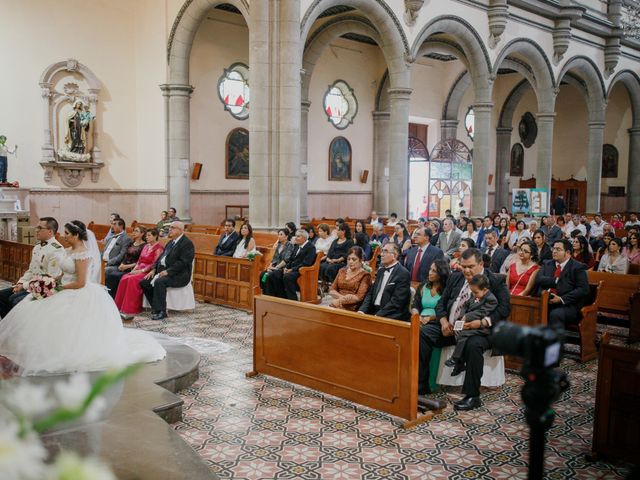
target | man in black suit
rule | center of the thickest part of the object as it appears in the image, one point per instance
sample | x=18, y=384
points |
x=424, y=252
x=171, y=270
x=390, y=294
x=228, y=241
x=495, y=251
x=284, y=283
x=568, y=284
x=439, y=332
x=487, y=226
x=559, y=205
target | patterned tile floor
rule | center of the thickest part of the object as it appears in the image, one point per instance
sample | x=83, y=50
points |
x=263, y=428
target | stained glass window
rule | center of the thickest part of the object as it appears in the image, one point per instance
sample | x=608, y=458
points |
x=450, y=175
x=233, y=90
x=340, y=104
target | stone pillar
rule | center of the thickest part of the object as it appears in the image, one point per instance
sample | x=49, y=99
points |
x=633, y=182
x=503, y=163
x=481, y=153
x=398, y=150
x=304, y=158
x=594, y=165
x=96, y=153
x=449, y=129
x=380, y=172
x=274, y=120
x=47, y=146
x=178, y=98
x=544, y=167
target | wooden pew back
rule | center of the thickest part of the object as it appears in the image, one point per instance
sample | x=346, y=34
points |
x=528, y=312
x=365, y=359
x=617, y=290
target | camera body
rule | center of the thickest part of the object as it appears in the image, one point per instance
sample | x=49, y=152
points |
x=539, y=347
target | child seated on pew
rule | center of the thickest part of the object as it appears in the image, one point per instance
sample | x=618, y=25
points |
x=481, y=304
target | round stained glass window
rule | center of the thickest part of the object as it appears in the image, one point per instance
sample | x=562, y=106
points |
x=340, y=104
x=233, y=90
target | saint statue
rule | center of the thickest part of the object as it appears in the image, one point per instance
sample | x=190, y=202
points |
x=78, y=141
x=4, y=153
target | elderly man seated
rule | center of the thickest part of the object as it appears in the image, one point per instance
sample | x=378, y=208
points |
x=284, y=283
x=171, y=270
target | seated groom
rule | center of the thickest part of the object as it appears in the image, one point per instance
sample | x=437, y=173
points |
x=228, y=240
x=171, y=270
x=46, y=257
x=283, y=283
x=568, y=285
x=390, y=294
x=439, y=332
x=115, y=249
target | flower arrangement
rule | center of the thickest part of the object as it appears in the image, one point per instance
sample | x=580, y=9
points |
x=374, y=245
x=32, y=409
x=42, y=286
x=252, y=255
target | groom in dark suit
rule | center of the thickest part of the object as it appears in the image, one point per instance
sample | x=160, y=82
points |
x=568, y=285
x=389, y=295
x=439, y=332
x=171, y=270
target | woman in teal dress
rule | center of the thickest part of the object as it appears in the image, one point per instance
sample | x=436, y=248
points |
x=424, y=304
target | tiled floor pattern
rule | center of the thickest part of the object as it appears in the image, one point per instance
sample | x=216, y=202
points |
x=263, y=428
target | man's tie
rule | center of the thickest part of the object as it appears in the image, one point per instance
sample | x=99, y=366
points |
x=556, y=275
x=490, y=252
x=463, y=296
x=169, y=247
x=416, y=266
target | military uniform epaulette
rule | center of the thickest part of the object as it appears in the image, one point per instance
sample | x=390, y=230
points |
x=56, y=245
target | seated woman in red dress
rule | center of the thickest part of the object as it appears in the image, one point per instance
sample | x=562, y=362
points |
x=522, y=273
x=129, y=294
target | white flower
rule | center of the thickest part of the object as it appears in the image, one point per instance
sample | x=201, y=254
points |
x=70, y=465
x=72, y=394
x=28, y=400
x=20, y=458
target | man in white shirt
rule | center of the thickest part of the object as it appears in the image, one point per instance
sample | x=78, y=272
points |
x=375, y=219
x=46, y=258
x=632, y=222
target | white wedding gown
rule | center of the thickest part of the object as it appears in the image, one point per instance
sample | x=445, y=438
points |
x=73, y=331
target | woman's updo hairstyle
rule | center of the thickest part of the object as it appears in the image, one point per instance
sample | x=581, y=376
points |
x=77, y=228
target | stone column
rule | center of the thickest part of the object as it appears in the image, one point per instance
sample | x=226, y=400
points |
x=304, y=158
x=380, y=172
x=96, y=153
x=398, y=148
x=503, y=163
x=544, y=167
x=449, y=129
x=633, y=180
x=594, y=165
x=47, y=146
x=178, y=97
x=481, y=153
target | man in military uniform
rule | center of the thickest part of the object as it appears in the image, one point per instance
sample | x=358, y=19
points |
x=46, y=258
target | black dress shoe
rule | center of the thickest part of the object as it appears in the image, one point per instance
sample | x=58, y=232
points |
x=430, y=403
x=451, y=362
x=458, y=369
x=467, y=403
x=159, y=316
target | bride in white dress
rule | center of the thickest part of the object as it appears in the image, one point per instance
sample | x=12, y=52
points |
x=78, y=328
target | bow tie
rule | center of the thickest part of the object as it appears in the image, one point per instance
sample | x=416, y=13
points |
x=386, y=269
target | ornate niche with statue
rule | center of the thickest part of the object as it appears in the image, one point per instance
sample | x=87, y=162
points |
x=70, y=92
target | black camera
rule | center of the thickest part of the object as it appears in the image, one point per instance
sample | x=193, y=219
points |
x=539, y=347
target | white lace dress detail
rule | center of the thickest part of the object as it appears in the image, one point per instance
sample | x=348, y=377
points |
x=73, y=330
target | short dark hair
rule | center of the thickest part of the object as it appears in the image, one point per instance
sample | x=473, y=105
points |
x=115, y=214
x=120, y=221
x=231, y=221
x=472, y=252
x=480, y=281
x=469, y=241
x=154, y=231
x=566, y=244
x=344, y=227
x=52, y=223
x=357, y=251
x=174, y=210
x=394, y=214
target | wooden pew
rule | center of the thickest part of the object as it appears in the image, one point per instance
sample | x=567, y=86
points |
x=14, y=259
x=616, y=419
x=365, y=359
x=621, y=296
x=587, y=328
x=308, y=281
x=528, y=312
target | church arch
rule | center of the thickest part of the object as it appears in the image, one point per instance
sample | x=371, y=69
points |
x=586, y=70
x=184, y=29
x=631, y=81
x=393, y=42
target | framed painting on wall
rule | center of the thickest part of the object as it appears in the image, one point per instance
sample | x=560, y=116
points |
x=237, y=154
x=609, y=161
x=340, y=160
x=517, y=160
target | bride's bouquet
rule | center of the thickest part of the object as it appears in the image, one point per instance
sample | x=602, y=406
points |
x=42, y=286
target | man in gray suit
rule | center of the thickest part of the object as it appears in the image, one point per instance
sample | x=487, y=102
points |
x=449, y=239
x=116, y=247
x=495, y=251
